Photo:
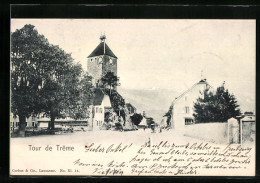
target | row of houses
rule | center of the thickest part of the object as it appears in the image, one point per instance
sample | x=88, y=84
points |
x=101, y=104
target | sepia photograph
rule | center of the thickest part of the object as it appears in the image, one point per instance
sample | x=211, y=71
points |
x=132, y=97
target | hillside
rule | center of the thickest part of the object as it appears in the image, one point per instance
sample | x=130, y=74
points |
x=154, y=102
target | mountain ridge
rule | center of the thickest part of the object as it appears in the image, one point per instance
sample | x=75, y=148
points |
x=156, y=102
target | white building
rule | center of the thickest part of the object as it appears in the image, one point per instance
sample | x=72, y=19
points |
x=182, y=106
x=101, y=104
x=143, y=123
x=30, y=122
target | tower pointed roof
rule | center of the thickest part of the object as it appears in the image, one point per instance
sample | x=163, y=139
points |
x=102, y=49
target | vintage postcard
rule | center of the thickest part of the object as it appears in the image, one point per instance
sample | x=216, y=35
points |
x=132, y=97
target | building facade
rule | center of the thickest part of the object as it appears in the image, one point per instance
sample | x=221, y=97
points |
x=101, y=104
x=182, y=106
x=101, y=61
x=31, y=122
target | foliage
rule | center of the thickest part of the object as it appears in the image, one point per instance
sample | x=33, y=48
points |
x=169, y=116
x=28, y=62
x=216, y=107
x=119, y=126
x=111, y=80
x=108, y=117
x=117, y=101
x=150, y=121
x=44, y=78
x=136, y=118
x=81, y=98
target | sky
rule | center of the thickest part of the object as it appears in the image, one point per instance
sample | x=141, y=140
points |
x=163, y=53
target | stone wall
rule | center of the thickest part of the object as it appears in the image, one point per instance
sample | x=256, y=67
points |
x=212, y=132
x=97, y=68
x=94, y=69
x=248, y=132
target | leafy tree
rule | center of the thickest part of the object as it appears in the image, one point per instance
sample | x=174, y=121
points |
x=81, y=98
x=44, y=79
x=111, y=80
x=169, y=116
x=117, y=101
x=28, y=62
x=150, y=121
x=216, y=107
x=108, y=117
x=61, y=93
x=136, y=118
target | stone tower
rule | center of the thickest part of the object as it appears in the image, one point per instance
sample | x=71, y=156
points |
x=101, y=61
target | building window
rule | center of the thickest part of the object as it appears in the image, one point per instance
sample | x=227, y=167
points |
x=97, y=123
x=187, y=110
x=188, y=121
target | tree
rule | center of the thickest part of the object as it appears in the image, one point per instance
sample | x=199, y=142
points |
x=28, y=50
x=61, y=93
x=169, y=116
x=108, y=117
x=216, y=107
x=117, y=101
x=44, y=79
x=82, y=98
x=136, y=118
x=111, y=80
x=150, y=121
